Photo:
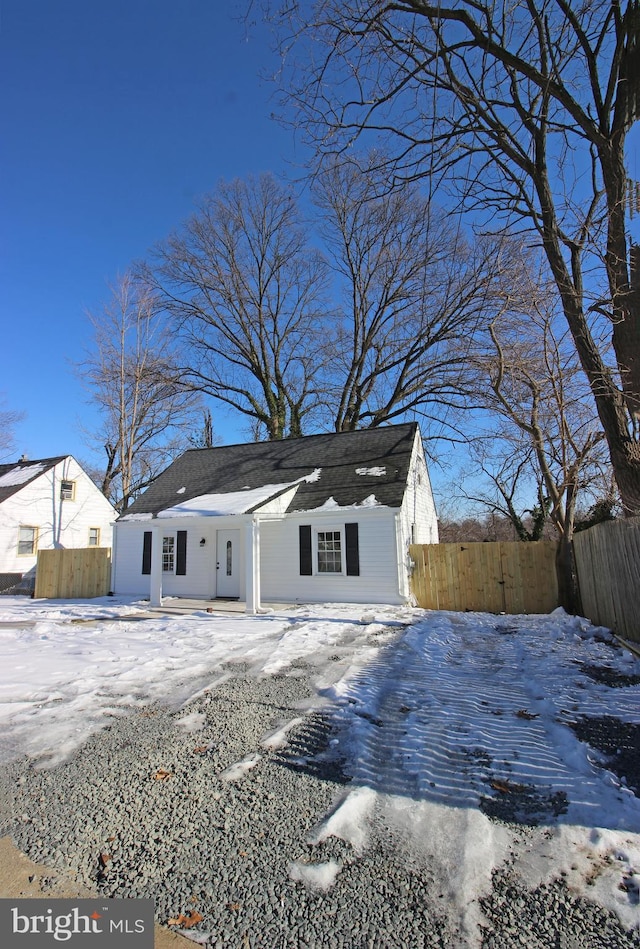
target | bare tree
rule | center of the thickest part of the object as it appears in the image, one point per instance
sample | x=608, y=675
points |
x=244, y=291
x=503, y=479
x=526, y=107
x=547, y=433
x=9, y=418
x=204, y=437
x=132, y=376
x=413, y=291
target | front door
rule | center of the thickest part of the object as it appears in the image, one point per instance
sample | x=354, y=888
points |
x=228, y=564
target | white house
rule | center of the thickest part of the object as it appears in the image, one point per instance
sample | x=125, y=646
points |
x=47, y=504
x=325, y=518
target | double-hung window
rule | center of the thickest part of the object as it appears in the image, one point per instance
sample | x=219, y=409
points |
x=329, y=551
x=27, y=541
x=169, y=554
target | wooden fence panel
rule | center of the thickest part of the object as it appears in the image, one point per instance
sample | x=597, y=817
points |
x=608, y=566
x=73, y=573
x=492, y=578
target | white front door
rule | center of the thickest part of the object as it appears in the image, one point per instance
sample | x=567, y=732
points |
x=228, y=563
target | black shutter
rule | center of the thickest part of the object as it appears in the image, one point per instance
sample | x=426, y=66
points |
x=181, y=553
x=146, y=552
x=306, y=562
x=353, y=550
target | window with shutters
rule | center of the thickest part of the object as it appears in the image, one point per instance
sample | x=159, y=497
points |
x=333, y=552
x=174, y=553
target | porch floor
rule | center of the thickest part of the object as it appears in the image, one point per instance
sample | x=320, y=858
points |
x=181, y=606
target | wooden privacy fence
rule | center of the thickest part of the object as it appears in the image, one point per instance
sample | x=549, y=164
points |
x=73, y=572
x=608, y=567
x=501, y=577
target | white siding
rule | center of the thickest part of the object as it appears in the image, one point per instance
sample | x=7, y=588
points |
x=280, y=560
x=59, y=523
x=200, y=578
x=418, y=523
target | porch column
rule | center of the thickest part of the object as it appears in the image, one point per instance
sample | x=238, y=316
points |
x=252, y=558
x=155, y=580
x=402, y=559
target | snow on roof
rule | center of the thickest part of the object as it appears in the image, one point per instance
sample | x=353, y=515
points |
x=332, y=505
x=377, y=471
x=21, y=475
x=232, y=502
x=225, y=503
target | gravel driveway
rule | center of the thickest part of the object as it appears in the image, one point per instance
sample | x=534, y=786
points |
x=151, y=808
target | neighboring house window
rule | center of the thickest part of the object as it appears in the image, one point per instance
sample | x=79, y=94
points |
x=67, y=490
x=329, y=551
x=94, y=537
x=168, y=554
x=27, y=541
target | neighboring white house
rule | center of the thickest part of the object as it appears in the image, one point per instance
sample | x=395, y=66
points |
x=47, y=504
x=325, y=518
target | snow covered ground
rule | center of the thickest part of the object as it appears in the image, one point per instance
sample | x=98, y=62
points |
x=444, y=721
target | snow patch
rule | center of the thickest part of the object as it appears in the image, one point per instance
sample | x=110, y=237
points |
x=20, y=475
x=217, y=505
x=349, y=821
x=319, y=877
x=231, y=502
x=332, y=505
x=238, y=770
x=377, y=471
x=193, y=722
x=279, y=739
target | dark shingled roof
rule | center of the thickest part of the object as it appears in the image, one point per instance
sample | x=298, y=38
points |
x=235, y=467
x=39, y=467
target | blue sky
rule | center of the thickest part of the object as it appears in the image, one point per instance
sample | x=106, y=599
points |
x=114, y=118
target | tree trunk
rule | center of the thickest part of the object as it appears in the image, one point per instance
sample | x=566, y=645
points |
x=568, y=590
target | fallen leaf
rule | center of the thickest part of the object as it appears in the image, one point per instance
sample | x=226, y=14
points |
x=162, y=775
x=234, y=907
x=201, y=750
x=186, y=920
x=522, y=713
x=104, y=859
x=501, y=786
